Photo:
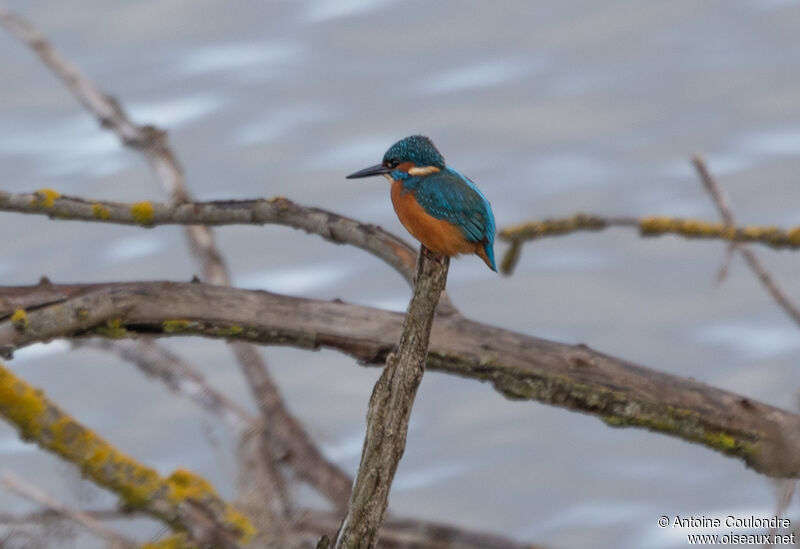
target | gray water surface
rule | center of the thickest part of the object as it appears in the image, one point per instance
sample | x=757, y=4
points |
x=551, y=108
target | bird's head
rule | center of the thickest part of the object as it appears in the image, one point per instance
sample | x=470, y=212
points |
x=413, y=156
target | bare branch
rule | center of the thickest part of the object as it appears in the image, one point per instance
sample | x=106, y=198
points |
x=338, y=229
x=723, y=206
x=28, y=491
x=278, y=211
x=773, y=237
x=390, y=410
x=47, y=515
x=519, y=366
x=182, y=500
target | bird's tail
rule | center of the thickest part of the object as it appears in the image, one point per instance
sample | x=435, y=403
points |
x=486, y=252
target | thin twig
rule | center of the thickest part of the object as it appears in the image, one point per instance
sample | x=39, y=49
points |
x=47, y=515
x=785, y=489
x=390, y=410
x=91, y=523
x=723, y=206
x=180, y=376
x=275, y=211
x=647, y=226
x=338, y=229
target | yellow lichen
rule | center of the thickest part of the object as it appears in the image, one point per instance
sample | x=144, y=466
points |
x=654, y=224
x=185, y=485
x=175, y=326
x=727, y=443
x=142, y=213
x=729, y=233
x=752, y=233
x=100, y=212
x=113, y=328
x=45, y=198
x=241, y=523
x=19, y=319
x=139, y=486
x=231, y=331
x=21, y=404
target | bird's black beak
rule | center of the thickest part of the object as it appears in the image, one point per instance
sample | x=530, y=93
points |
x=378, y=169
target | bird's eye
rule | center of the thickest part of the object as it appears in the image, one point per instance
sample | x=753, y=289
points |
x=391, y=163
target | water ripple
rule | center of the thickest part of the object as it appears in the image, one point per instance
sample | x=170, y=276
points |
x=750, y=340
x=480, y=75
x=41, y=350
x=324, y=10
x=274, y=125
x=133, y=247
x=297, y=280
x=176, y=112
x=428, y=475
x=775, y=142
x=72, y=144
x=234, y=56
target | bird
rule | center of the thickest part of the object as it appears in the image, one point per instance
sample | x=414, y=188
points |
x=437, y=205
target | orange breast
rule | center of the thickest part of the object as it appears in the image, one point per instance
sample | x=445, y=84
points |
x=437, y=235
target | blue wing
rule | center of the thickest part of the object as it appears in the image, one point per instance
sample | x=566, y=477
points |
x=450, y=196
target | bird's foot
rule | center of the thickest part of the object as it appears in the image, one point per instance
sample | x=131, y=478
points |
x=430, y=254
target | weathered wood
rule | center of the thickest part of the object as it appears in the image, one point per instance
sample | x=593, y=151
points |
x=390, y=410
x=519, y=366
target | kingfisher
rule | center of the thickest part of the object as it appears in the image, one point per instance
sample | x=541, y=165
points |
x=441, y=208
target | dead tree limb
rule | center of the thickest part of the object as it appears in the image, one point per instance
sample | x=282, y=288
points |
x=648, y=226
x=339, y=229
x=277, y=211
x=521, y=367
x=390, y=410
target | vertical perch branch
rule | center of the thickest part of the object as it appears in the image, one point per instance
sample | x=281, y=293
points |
x=390, y=410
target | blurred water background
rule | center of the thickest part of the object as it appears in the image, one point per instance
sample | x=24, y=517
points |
x=551, y=107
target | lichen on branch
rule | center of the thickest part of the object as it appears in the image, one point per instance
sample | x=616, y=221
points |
x=517, y=235
x=175, y=499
